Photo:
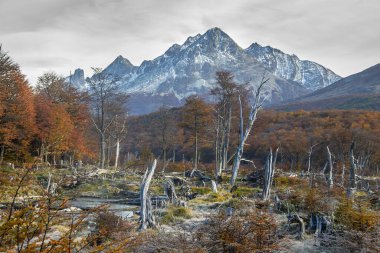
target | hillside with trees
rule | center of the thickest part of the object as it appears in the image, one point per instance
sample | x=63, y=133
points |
x=78, y=174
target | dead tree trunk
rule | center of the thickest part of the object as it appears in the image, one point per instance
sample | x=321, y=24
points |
x=218, y=157
x=147, y=219
x=117, y=154
x=310, y=152
x=213, y=186
x=170, y=191
x=352, y=182
x=329, y=173
x=255, y=107
x=268, y=174
x=342, y=175
x=302, y=226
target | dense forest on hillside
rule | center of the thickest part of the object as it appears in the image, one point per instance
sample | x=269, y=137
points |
x=230, y=176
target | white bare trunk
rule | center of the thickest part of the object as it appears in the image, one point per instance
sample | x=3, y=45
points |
x=352, y=181
x=270, y=166
x=117, y=153
x=255, y=107
x=214, y=187
x=146, y=216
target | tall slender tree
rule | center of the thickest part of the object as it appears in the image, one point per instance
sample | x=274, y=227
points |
x=104, y=91
x=196, y=118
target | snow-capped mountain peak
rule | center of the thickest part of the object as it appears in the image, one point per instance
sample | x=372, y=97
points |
x=188, y=69
x=310, y=74
x=120, y=67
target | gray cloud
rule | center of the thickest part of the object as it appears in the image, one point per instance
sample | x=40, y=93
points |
x=44, y=35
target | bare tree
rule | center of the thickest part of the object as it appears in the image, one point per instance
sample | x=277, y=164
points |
x=310, y=152
x=118, y=132
x=255, y=107
x=352, y=182
x=225, y=91
x=104, y=91
x=329, y=172
x=270, y=167
x=147, y=219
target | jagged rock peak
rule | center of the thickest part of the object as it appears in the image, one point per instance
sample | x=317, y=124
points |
x=79, y=73
x=120, y=66
x=76, y=79
x=310, y=74
x=121, y=60
x=218, y=38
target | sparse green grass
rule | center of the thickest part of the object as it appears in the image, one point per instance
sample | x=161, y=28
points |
x=219, y=196
x=201, y=190
x=175, y=214
x=246, y=191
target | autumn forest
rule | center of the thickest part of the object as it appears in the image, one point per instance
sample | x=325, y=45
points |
x=230, y=175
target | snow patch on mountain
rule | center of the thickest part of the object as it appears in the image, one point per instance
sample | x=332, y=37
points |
x=310, y=74
x=189, y=69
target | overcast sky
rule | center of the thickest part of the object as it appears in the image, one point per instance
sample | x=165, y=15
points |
x=61, y=35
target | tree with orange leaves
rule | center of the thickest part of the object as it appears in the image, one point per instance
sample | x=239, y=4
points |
x=17, y=113
x=196, y=117
x=68, y=109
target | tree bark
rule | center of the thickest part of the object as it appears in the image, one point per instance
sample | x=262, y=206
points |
x=117, y=153
x=352, y=182
x=270, y=166
x=213, y=186
x=196, y=152
x=170, y=191
x=330, y=180
x=302, y=226
x=102, y=150
x=147, y=219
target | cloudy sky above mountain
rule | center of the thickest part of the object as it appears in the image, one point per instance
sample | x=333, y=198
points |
x=46, y=35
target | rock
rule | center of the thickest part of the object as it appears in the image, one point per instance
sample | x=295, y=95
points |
x=198, y=174
x=177, y=181
x=71, y=209
x=256, y=178
x=70, y=182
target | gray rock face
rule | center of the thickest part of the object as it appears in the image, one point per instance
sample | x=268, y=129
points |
x=188, y=69
x=310, y=74
x=120, y=67
x=77, y=79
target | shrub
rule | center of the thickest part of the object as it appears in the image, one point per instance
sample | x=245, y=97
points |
x=109, y=226
x=357, y=215
x=248, y=232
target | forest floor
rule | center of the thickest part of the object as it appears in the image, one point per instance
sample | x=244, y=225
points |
x=119, y=192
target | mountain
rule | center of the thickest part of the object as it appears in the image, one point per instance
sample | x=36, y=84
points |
x=188, y=69
x=310, y=74
x=120, y=67
x=358, y=91
x=77, y=78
